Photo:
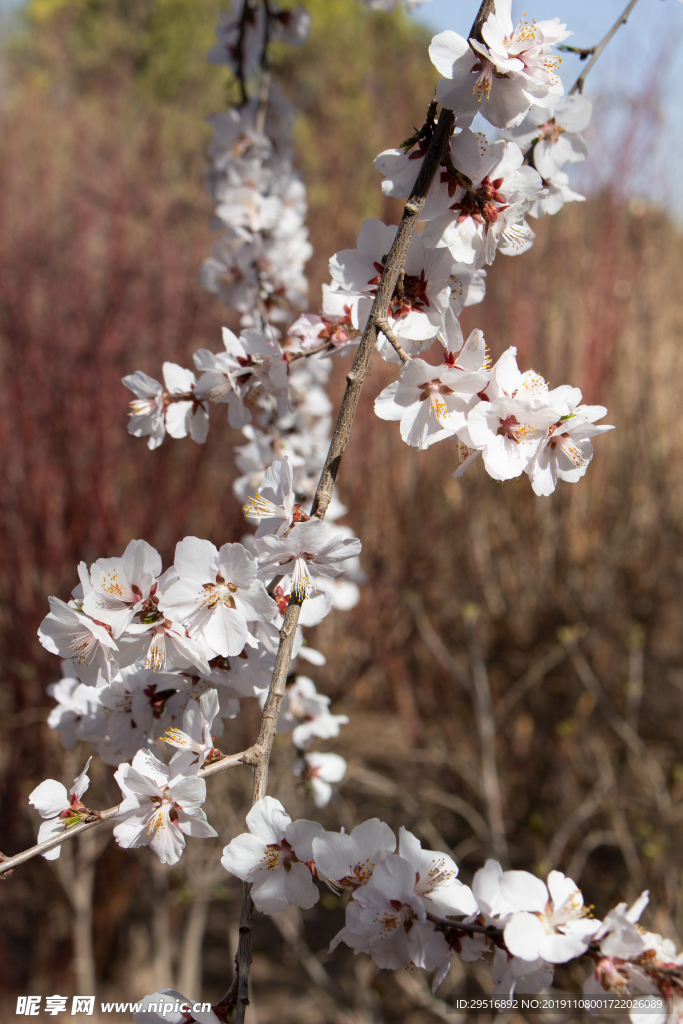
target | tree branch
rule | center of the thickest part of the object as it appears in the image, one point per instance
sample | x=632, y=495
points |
x=251, y=756
x=238, y=994
x=597, y=50
x=394, y=264
x=486, y=727
x=486, y=8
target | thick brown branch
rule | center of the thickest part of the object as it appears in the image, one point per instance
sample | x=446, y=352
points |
x=486, y=8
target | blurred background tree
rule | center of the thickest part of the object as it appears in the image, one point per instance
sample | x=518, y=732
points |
x=103, y=226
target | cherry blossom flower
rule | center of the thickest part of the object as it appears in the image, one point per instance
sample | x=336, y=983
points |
x=159, y=807
x=468, y=286
x=274, y=504
x=252, y=365
x=124, y=718
x=305, y=713
x=216, y=594
x=194, y=741
x=274, y=856
x=508, y=431
x=566, y=450
x=513, y=975
x=554, y=134
x=307, y=551
x=190, y=415
x=147, y=415
x=429, y=400
x=155, y=411
x=87, y=644
x=421, y=294
x=503, y=75
x=436, y=878
x=62, y=809
x=347, y=860
x=489, y=191
x=121, y=586
x=76, y=705
x=558, y=193
x=550, y=922
x=388, y=919
x=319, y=770
x=512, y=421
x=166, y=645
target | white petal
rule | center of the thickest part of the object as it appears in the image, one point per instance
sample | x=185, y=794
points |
x=524, y=890
x=50, y=798
x=524, y=935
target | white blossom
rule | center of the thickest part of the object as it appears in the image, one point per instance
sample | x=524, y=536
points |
x=159, y=807
x=388, y=919
x=165, y=1001
x=147, y=413
x=484, y=200
x=550, y=922
x=421, y=295
x=191, y=414
x=274, y=856
x=274, y=503
x=216, y=594
x=62, y=809
x=554, y=134
x=194, y=741
x=305, y=713
x=566, y=450
x=319, y=770
x=429, y=400
x=87, y=644
x=121, y=586
x=503, y=75
x=347, y=860
x=308, y=550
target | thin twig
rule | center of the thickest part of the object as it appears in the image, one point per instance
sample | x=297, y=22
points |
x=435, y=643
x=249, y=756
x=385, y=328
x=622, y=728
x=535, y=674
x=597, y=50
x=487, y=736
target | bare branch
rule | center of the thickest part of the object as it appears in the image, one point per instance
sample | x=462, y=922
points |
x=251, y=756
x=435, y=643
x=622, y=728
x=597, y=50
x=486, y=726
x=486, y=8
x=535, y=674
x=385, y=328
x=394, y=265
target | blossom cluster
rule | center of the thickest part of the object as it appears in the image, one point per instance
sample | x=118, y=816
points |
x=513, y=421
x=476, y=207
x=153, y=659
x=406, y=905
x=260, y=201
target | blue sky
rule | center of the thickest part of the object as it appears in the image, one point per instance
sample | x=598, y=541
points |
x=649, y=47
